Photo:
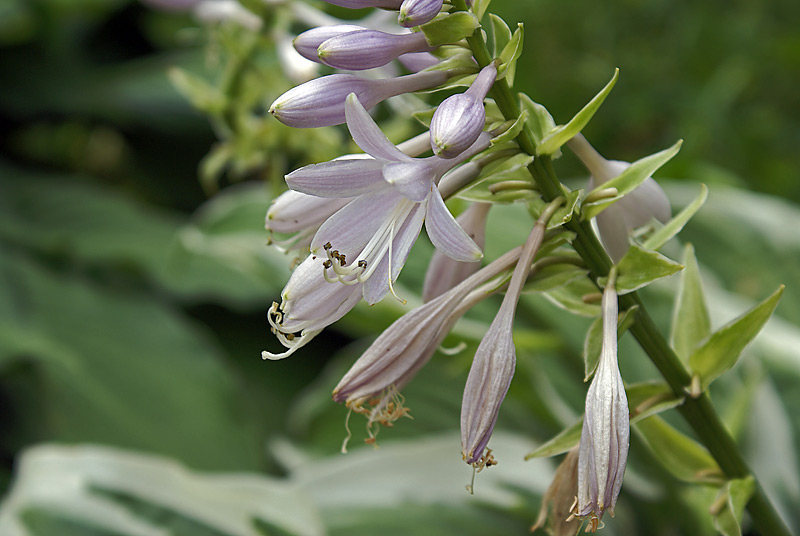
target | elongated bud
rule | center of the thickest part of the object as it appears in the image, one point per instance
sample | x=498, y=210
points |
x=366, y=49
x=495, y=359
x=417, y=12
x=320, y=102
x=418, y=61
x=361, y=4
x=309, y=41
x=634, y=210
x=606, y=427
x=445, y=273
x=459, y=119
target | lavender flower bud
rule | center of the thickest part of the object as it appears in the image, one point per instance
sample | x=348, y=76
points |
x=459, y=119
x=418, y=61
x=366, y=49
x=606, y=427
x=445, y=273
x=320, y=102
x=360, y=4
x=634, y=210
x=309, y=41
x=417, y=12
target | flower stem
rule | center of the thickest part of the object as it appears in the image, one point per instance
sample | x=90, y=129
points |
x=698, y=412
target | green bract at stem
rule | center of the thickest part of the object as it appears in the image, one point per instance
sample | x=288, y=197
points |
x=698, y=412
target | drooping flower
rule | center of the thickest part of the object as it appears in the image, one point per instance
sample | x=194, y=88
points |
x=634, y=210
x=605, y=437
x=495, y=359
x=404, y=347
x=445, y=273
x=559, y=499
x=417, y=12
x=459, y=119
x=320, y=102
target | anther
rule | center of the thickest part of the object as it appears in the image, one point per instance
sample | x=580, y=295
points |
x=327, y=246
x=362, y=264
x=327, y=264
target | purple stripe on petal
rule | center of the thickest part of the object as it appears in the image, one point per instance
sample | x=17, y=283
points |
x=350, y=229
x=413, y=179
x=338, y=178
x=417, y=12
x=446, y=234
x=367, y=49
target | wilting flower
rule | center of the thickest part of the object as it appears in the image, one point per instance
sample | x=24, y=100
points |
x=606, y=427
x=320, y=102
x=459, y=119
x=559, y=499
x=634, y=210
x=445, y=273
x=494, y=362
x=417, y=12
x=405, y=346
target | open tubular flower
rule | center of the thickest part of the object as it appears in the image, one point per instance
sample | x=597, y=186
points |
x=634, y=210
x=459, y=119
x=605, y=438
x=495, y=359
x=320, y=102
x=369, y=239
x=299, y=215
x=366, y=49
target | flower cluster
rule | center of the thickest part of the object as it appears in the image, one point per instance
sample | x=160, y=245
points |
x=359, y=215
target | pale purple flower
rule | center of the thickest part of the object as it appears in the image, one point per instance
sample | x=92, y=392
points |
x=418, y=61
x=309, y=41
x=360, y=4
x=606, y=427
x=299, y=215
x=368, y=240
x=320, y=102
x=309, y=303
x=459, y=119
x=445, y=273
x=417, y=12
x=366, y=49
x=634, y=210
x=494, y=361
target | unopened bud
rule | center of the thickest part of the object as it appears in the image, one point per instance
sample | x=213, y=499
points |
x=417, y=12
x=366, y=49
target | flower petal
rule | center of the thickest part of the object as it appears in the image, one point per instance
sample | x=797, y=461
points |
x=413, y=179
x=338, y=178
x=351, y=228
x=376, y=287
x=367, y=134
x=446, y=234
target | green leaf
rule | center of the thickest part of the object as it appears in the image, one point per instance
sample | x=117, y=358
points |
x=553, y=276
x=730, y=503
x=509, y=56
x=565, y=441
x=676, y=224
x=123, y=368
x=425, y=116
x=450, y=28
x=570, y=297
x=559, y=136
x=504, y=181
x=628, y=180
x=501, y=34
x=512, y=131
x=540, y=121
x=479, y=7
x=200, y=93
x=649, y=398
x=593, y=343
x=640, y=267
x=722, y=349
x=562, y=215
x=682, y=456
x=690, y=321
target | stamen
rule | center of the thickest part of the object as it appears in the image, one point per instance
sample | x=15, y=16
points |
x=391, y=286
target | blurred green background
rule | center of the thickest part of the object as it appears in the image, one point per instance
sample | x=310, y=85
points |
x=132, y=300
